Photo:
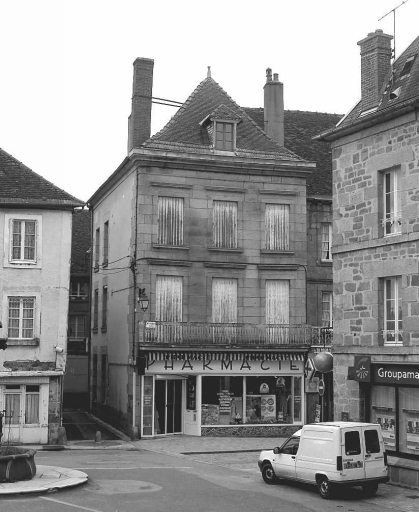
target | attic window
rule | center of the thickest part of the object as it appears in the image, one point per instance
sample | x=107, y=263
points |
x=407, y=66
x=224, y=136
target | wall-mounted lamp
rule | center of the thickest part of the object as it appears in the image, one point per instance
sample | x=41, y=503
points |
x=59, y=350
x=143, y=299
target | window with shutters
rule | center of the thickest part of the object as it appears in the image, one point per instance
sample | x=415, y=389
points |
x=170, y=221
x=96, y=310
x=104, y=309
x=169, y=307
x=97, y=249
x=277, y=227
x=225, y=224
x=105, y=244
x=224, y=309
x=277, y=309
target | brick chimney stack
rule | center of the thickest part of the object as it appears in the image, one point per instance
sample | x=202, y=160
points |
x=274, y=107
x=375, y=66
x=139, y=122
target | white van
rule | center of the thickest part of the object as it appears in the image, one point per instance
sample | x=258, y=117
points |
x=330, y=454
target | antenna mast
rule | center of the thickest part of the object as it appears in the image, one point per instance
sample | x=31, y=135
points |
x=394, y=25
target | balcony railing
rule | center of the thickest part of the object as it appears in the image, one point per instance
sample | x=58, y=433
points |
x=194, y=333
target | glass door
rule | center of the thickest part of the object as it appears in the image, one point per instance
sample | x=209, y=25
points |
x=168, y=406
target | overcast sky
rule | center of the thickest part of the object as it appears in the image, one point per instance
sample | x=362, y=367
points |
x=66, y=67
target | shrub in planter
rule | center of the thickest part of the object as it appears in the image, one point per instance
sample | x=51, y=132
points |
x=16, y=464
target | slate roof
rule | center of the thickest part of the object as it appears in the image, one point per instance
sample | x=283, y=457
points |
x=299, y=130
x=185, y=133
x=408, y=93
x=21, y=186
x=81, y=242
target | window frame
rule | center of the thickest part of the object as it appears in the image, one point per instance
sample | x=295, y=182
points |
x=105, y=297
x=273, y=240
x=392, y=284
x=326, y=238
x=220, y=144
x=391, y=220
x=97, y=249
x=177, y=214
x=219, y=224
x=21, y=317
x=95, y=315
x=77, y=319
x=9, y=261
x=329, y=310
x=105, y=255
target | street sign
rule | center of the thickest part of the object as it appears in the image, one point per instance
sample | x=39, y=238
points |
x=321, y=387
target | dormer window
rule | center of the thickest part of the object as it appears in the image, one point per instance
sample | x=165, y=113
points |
x=224, y=136
x=221, y=126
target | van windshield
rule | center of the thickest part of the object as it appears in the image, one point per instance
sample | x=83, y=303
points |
x=372, y=443
x=352, y=443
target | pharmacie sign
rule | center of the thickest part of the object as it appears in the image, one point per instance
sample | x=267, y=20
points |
x=396, y=373
x=243, y=366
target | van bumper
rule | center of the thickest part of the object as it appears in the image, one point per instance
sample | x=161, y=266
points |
x=352, y=483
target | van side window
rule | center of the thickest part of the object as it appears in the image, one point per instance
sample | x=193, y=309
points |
x=352, y=443
x=291, y=448
x=372, y=443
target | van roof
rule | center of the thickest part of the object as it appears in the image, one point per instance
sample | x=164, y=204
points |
x=342, y=424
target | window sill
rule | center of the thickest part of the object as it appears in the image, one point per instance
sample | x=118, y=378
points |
x=171, y=247
x=95, y=330
x=221, y=249
x=21, y=343
x=105, y=264
x=274, y=252
x=96, y=268
x=103, y=329
x=326, y=262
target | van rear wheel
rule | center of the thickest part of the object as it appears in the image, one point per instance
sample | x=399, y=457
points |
x=325, y=489
x=370, y=488
x=268, y=474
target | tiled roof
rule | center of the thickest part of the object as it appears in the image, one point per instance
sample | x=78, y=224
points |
x=81, y=242
x=299, y=128
x=20, y=185
x=184, y=132
x=408, y=92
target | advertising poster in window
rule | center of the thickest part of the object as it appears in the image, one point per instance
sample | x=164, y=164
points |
x=210, y=414
x=412, y=433
x=387, y=424
x=268, y=407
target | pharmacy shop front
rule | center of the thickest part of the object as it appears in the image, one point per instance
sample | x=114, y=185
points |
x=222, y=393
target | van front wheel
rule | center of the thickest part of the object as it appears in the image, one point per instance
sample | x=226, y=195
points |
x=324, y=487
x=268, y=474
x=370, y=488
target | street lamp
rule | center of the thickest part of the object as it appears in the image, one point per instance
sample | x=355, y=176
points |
x=143, y=299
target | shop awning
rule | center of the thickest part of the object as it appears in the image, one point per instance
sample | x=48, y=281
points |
x=178, y=355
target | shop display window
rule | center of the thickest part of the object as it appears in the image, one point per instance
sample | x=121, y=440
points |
x=409, y=420
x=383, y=411
x=222, y=400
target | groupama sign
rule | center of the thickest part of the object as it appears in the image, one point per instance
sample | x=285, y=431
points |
x=396, y=374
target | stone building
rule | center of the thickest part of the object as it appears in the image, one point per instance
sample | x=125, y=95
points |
x=376, y=252
x=204, y=226
x=35, y=235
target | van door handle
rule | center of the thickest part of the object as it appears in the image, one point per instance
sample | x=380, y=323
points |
x=368, y=455
x=293, y=457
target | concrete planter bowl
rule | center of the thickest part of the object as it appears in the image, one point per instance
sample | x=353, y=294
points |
x=16, y=464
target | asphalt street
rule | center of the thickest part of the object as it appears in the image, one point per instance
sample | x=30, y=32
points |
x=131, y=480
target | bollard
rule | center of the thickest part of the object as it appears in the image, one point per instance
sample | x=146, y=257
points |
x=98, y=437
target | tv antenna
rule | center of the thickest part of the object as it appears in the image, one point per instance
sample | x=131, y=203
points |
x=394, y=25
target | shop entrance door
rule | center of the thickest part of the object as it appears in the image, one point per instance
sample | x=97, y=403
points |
x=168, y=404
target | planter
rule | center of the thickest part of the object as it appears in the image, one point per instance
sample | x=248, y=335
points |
x=16, y=464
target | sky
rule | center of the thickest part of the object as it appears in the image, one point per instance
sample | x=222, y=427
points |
x=66, y=67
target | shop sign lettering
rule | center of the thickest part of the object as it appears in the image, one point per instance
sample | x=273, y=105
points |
x=208, y=366
x=396, y=374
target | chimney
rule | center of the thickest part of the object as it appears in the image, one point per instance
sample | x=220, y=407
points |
x=375, y=66
x=274, y=107
x=139, y=122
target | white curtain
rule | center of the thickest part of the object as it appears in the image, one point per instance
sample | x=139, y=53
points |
x=169, y=298
x=12, y=409
x=224, y=300
x=277, y=227
x=326, y=242
x=170, y=221
x=32, y=408
x=225, y=224
x=277, y=301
